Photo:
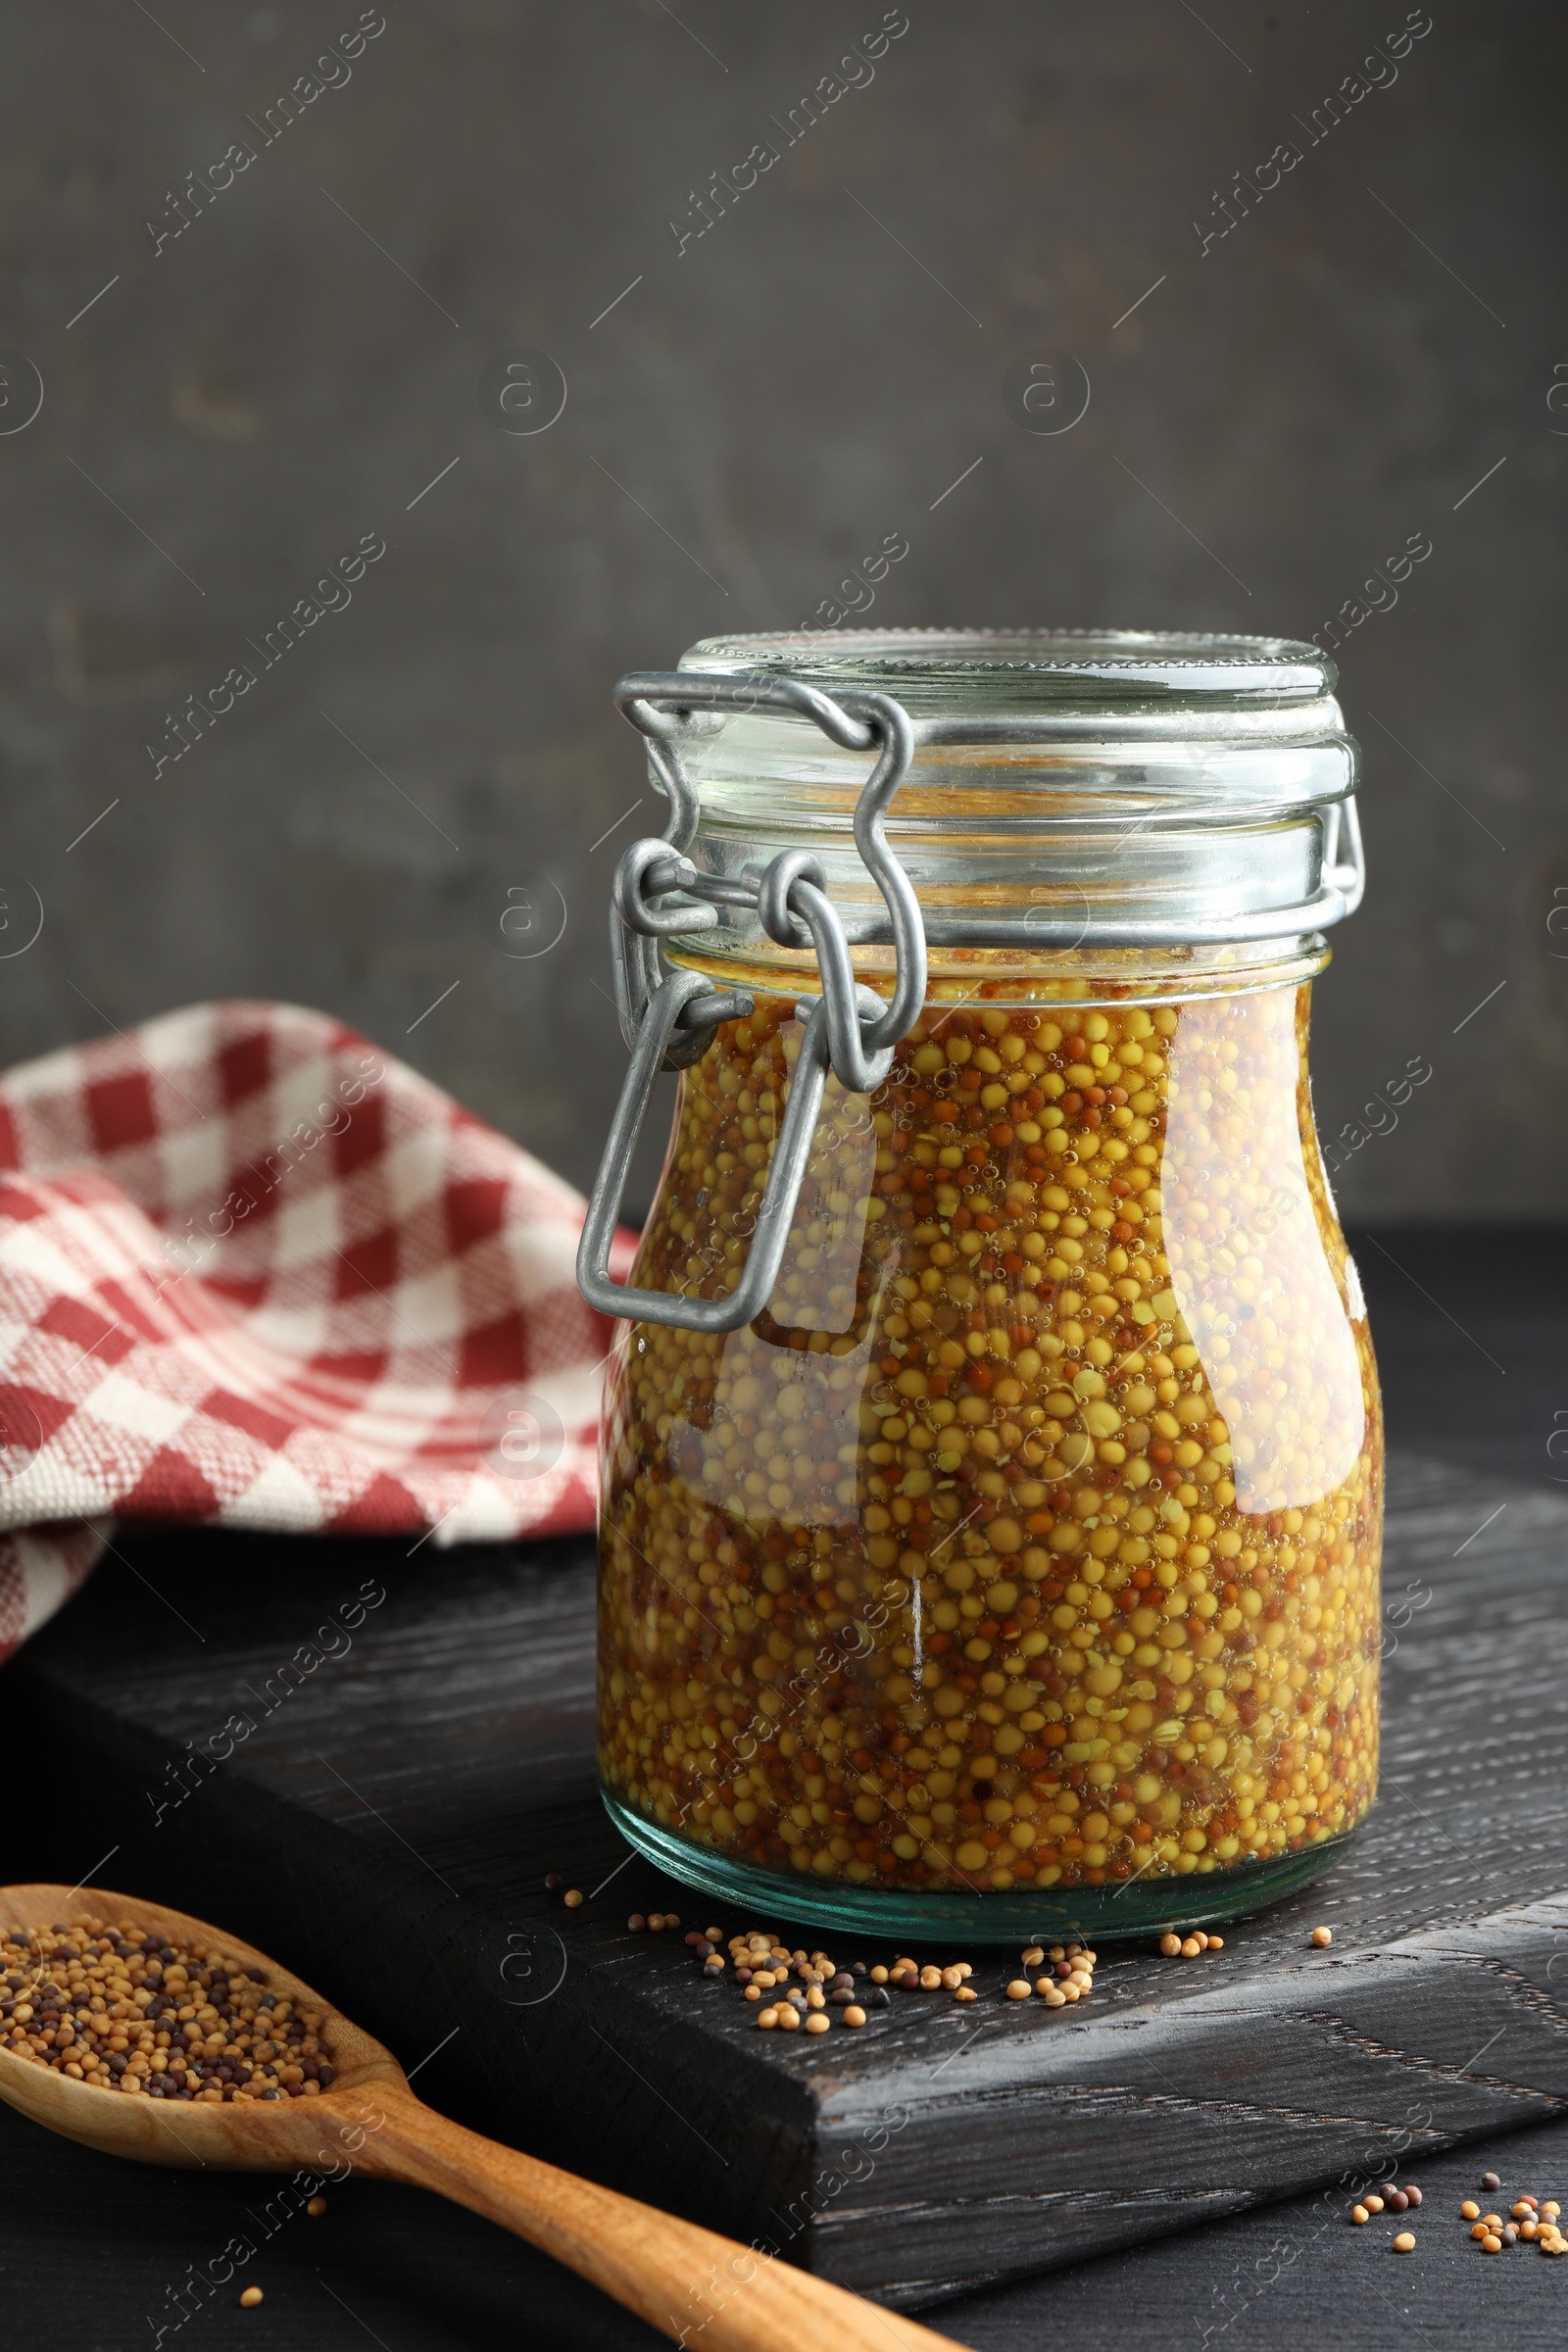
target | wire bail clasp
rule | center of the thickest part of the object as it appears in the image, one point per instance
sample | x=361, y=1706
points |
x=669, y=1017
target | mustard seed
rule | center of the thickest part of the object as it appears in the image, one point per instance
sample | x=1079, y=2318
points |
x=1192, y=1946
x=1170, y=1945
x=787, y=2016
x=250, y=2298
x=999, y=1400
x=1490, y=2244
x=964, y=1993
x=1033, y=1956
x=115, y=2008
x=1216, y=1943
x=572, y=1898
x=930, y=1979
x=1470, y=2211
x=1322, y=1936
x=1373, y=2204
x=855, y=2015
x=1405, y=2243
x=637, y=1922
x=1412, y=2192
x=1490, y=2180
x=1019, y=1989
x=315, y=2207
x=818, y=2021
x=1359, y=2215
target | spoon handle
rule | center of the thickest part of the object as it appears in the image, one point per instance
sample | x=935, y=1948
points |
x=701, y=2289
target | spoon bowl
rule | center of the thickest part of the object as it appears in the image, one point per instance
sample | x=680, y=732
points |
x=246, y=2135
x=680, y=2277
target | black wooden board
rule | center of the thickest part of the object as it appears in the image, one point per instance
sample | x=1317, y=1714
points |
x=387, y=1825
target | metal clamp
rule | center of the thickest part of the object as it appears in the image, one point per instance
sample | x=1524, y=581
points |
x=849, y=1029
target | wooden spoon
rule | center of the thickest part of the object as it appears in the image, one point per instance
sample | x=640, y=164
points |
x=687, y=2281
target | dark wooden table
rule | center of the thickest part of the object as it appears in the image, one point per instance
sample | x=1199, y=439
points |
x=1471, y=1824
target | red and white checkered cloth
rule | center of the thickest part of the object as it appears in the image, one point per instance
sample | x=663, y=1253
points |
x=256, y=1273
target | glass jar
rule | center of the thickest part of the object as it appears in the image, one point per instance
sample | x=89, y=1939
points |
x=993, y=1470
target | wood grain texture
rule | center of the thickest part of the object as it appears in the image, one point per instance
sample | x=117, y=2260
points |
x=388, y=1823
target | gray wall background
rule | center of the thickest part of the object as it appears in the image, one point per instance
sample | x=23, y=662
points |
x=291, y=372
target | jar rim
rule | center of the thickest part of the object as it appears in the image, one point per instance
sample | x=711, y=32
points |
x=935, y=671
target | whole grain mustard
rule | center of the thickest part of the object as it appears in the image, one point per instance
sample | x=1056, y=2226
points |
x=1031, y=1539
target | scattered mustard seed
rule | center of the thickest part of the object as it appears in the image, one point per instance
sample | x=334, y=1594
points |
x=315, y=2207
x=1405, y=2243
x=572, y=1898
x=1322, y=1936
x=1470, y=2211
x=855, y=2015
x=250, y=2298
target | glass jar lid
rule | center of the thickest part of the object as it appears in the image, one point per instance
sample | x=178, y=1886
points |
x=1107, y=789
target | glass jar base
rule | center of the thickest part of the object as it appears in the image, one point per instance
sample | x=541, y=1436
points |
x=1093, y=1913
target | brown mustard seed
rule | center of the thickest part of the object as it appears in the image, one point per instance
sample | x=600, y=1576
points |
x=1412, y=2192
x=116, y=2007
x=1322, y=1936
x=250, y=2298
x=1405, y=2243
x=1490, y=2180
x=315, y=2207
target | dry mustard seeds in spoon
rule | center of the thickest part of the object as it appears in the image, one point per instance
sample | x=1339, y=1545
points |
x=112, y=2034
